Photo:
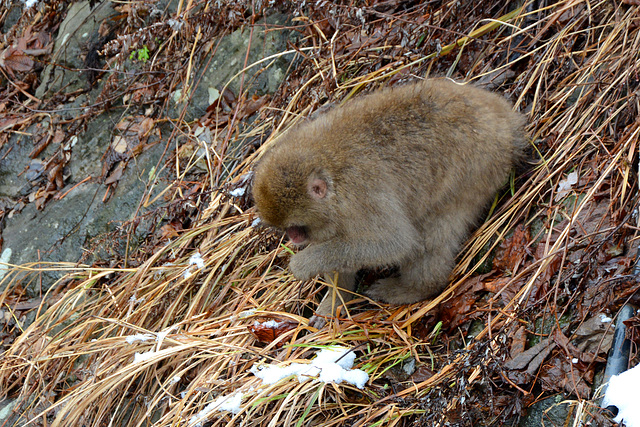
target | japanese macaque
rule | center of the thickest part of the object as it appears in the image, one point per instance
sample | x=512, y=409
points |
x=394, y=178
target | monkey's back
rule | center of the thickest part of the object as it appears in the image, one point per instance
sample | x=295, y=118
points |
x=457, y=143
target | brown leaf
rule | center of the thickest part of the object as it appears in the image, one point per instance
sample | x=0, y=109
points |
x=531, y=358
x=559, y=374
x=145, y=127
x=512, y=251
x=595, y=336
x=171, y=229
x=518, y=342
x=253, y=105
x=14, y=59
x=119, y=144
x=115, y=175
x=268, y=330
x=55, y=176
x=422, y=373
x=462, y=307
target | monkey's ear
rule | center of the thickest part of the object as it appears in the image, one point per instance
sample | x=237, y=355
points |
x=317, y=188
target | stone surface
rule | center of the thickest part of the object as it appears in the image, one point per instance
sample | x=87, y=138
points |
x=64, y=229
x=78, y=30
x=229, y=59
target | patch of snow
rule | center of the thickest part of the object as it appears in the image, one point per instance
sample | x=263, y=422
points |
x=134, y=300
x=622, y=393
x=256, y=222
x=332, y=364
x=196, y=259
x=139, y=337
x=605, y=319
x=229, y=403
x=565, y=185
x=141, y=357
x=247, y=313
x=273, y=324
x=238, y=192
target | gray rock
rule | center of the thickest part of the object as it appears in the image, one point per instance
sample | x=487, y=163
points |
x=229, y=59
x=552, y=411
x=14, y=159
x=78, y=30
x=7, y=407
x=65, y=228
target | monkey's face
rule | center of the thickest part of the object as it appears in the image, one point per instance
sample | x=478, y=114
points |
x=294, y=198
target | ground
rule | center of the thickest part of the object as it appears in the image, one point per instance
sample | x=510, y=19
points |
x=139, y=279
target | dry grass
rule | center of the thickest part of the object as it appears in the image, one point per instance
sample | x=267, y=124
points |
x=575, y=74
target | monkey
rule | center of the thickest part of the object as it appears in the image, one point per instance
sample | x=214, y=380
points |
x=396, y=177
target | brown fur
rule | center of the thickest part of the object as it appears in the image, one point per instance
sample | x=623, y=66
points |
x=397, y=177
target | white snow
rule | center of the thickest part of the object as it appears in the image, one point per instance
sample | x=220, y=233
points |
x=238, y=192
x=247, y=313
x=256, y=222
x=141, y=357
x=605, y=319
x=622, y=393
x=139, y=337
x=325, y=367
x=229, y=403
x=273, y=324
x=134, y=300
x=29, y=3
x=196, y=259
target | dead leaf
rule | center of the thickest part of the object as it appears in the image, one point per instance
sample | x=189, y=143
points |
x=172, y=229
x=119, y=144
x=252, y=105
x=595, y=335
x=422, y=373
x=14, y=59
x=532, y=358
x=145, y=127
x=115, y=175
x=512, y=251
x=518, y=342
x=268, y=330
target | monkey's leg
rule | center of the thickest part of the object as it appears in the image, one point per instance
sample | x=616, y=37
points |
x=421, y=278
x=332, y=300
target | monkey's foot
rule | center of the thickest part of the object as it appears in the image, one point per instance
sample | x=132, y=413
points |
x=393, y=291
x=317, y=322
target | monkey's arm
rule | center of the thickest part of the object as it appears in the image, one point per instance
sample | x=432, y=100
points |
x=373, y=246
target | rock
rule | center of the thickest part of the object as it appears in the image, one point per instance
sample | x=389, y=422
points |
x=66, y=227
x=229, y=59
x=77, y=32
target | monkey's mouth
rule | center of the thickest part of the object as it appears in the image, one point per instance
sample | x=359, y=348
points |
x=297, y=234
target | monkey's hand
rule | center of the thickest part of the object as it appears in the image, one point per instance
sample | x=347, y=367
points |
x=307, y=264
